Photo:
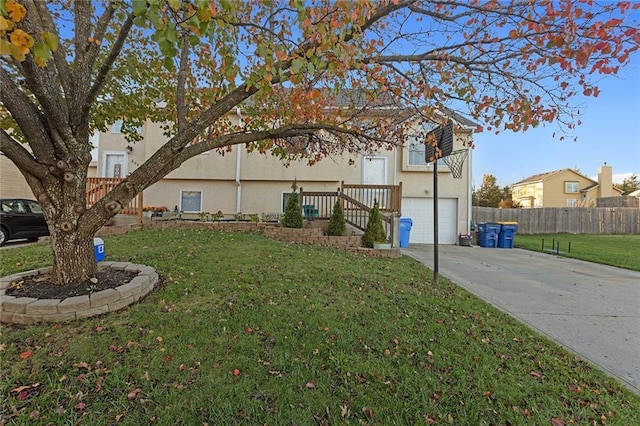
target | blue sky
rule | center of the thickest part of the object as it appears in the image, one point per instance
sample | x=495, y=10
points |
x=610, y=132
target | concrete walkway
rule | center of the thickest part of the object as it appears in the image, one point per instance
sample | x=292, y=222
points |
x=591, y=309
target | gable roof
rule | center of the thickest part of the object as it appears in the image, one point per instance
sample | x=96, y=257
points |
x=385, y=101
x=544, y=176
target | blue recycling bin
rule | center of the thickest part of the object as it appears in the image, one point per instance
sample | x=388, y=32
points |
x=98, y=249
x=506, y=235
x=488, y=234
x=405, y=230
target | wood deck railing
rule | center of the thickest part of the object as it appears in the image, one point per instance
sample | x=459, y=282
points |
x=389, y=197
x=98, y=187
x=357, y=201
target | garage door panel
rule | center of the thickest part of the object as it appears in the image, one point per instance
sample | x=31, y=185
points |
x=420, y=210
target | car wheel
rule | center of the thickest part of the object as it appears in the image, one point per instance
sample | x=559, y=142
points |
x=3, y=236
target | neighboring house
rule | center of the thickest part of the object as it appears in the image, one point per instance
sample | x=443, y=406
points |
x=255, y=183
x=564, y=188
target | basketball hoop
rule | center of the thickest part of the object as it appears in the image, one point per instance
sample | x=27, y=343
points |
x=455, y=161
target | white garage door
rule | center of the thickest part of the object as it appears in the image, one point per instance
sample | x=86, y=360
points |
x=420, y=210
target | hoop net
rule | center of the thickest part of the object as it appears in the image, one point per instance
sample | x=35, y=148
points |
x=455, y=161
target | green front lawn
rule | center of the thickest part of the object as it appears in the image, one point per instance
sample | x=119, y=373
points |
x=252, y=331
x=615, y=250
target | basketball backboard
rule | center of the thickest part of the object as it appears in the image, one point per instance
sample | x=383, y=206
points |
x=443, y=136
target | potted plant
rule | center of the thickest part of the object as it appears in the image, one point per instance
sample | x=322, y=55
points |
x=464, y=240
x=374, y=235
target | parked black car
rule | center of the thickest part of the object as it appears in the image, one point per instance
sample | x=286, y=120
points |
x=21, y=219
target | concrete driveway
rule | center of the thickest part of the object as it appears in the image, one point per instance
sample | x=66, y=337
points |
x=591, y=309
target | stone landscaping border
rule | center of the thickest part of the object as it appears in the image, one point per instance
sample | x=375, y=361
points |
x=28, y=310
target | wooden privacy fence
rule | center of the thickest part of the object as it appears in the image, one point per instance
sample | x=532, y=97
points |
x=575, y=220
x=98, y=187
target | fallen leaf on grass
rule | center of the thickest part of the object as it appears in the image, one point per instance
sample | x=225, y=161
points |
x=535, y=374
x=368, y=412
x=25, y=355
x=310, y=385
x=133, y=394
x=80, y=406
x=557, y=422
x=81, y=365
x=25, y=388
x=345, y=412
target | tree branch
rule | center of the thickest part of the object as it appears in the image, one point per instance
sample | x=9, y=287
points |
x=181, y=106
x=21, y=157
x=104, y=69
x=27, y=116
x=60, y=55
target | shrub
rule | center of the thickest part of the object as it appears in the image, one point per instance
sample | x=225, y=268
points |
x=292, y=213
x=337, y=225
x=374, y=233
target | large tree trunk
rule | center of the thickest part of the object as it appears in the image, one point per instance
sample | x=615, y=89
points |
x=73, y=256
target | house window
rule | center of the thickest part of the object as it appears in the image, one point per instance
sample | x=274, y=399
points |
x=572, y=202
x=117, y=127
x=285, y=200
x=571, y=187
x=191, y=201
x=416, y=155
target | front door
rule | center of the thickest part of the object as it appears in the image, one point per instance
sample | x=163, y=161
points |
x=374, y=172
x=115, y=164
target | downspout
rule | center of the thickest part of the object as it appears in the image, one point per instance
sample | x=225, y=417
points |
x=395, y=165
x=469, y=189
x=238, y=158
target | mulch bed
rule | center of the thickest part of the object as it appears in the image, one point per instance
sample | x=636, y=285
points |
x=41, y=286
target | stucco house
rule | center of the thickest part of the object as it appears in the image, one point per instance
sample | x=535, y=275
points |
x=12, y=183
x=564, y=188
x=249, y=182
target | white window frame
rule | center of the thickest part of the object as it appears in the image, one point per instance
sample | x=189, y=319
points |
x=572, y=202
x=568, y=187
x=182, y=191
x=94, y=140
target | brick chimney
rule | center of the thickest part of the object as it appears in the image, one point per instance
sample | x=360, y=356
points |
x=605, y=179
